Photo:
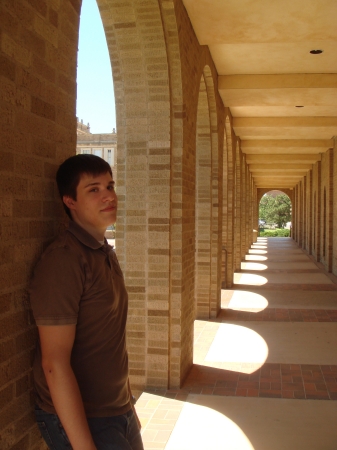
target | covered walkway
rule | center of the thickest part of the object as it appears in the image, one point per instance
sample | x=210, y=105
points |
x=217, y=103
x=265, y=370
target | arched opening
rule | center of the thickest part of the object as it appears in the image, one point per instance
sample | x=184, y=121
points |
x=95, y=101
x=275, y=214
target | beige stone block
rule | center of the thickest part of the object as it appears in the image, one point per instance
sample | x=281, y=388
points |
x=158, y=289
x=41, y=189
x=158, y=332
x=9, y=93
x=8, y=116
x=15, y=50
x=6, y=208
x=26, y=251
x=157, y=362
x=155, y=268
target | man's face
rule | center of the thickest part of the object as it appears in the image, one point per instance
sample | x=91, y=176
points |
x=95, y=207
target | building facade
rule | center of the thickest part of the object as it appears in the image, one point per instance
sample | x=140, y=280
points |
x=103, y=145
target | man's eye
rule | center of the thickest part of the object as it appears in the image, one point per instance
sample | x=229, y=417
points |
x=111, y=187
x=94, y=190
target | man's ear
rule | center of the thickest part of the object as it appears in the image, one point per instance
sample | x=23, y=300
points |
x=69, y=202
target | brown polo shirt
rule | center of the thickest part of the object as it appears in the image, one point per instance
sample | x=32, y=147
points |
x=78, y=281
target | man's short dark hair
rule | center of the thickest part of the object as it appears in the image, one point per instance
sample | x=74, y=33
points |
x=70, y=171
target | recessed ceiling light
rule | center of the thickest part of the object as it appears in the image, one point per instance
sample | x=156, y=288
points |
x=316, y=52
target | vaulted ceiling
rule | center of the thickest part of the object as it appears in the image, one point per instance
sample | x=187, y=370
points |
x=277, y=66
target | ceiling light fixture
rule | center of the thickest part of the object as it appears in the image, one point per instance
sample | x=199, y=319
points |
x=316, y=52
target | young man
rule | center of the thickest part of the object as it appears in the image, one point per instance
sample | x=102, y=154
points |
x=79, y=302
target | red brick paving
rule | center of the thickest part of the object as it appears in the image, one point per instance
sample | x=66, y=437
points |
x=291, y=381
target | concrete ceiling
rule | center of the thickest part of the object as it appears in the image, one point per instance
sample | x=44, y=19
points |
x=283, y=98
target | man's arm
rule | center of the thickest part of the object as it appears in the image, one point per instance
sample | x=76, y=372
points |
x=56, y=346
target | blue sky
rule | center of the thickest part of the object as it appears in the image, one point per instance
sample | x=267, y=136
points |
x=95, y=96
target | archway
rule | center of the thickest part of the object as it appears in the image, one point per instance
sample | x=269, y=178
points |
x=275, y=210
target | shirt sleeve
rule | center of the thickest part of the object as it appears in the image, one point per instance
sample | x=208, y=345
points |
x=57, y=287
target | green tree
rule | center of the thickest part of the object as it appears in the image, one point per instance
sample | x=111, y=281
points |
x=275, y=209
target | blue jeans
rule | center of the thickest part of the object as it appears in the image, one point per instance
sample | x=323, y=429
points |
x=109, y=433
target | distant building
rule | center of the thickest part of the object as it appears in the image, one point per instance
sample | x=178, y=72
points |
x=103, y=145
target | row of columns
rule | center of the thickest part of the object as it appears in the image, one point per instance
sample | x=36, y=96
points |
x=314, y=211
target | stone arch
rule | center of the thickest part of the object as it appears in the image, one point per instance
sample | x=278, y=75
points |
x=137, y=48
x=180, y=331
x=143, y=43
x=207, y=267
x=203, y=208
x=262, y=191
x=216, y=197
x=229, y=220
x=287, y=192
x=243, y=209
x=224, y=249
x=237, y=209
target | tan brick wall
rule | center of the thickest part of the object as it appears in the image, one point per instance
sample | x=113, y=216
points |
x=38, y=45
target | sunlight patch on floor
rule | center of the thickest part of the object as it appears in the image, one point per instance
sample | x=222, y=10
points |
x=200, y=427
x=243, y=301
x=255, y=258
x=257, y=252
x=253, y=266
x=235, y=344
x=249, y=279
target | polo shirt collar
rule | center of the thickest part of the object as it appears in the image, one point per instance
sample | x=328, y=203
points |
x=83, y=236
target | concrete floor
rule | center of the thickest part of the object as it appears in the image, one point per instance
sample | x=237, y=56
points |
x=265, y=371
